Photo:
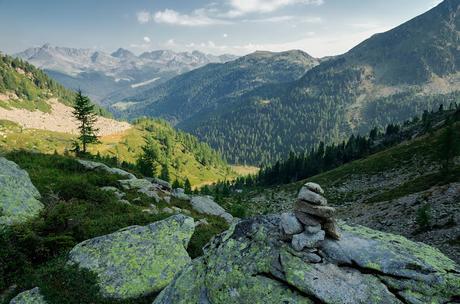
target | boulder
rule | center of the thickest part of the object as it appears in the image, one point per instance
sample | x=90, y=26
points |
x=135, y=184
x=311, y=197
x=32, y=296
x=307, y=240
x=150, y=193
x=92, y=165
x=137, y=260
x=319, y=211
x=251, y=263
x=314, y=187
x=289, y=224
x=115, y=191
x=179, y=193
x=19, y=199
x=164, y=184
x=205, y=205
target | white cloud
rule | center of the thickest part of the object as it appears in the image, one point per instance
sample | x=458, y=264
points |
x=242, y=7
x=225, y=35
x=147, y=39
x=197, y=18
x=143, y=17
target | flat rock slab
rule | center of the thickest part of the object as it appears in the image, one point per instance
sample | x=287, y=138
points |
x=137, y=261
x=32, y=296
x=92, y=165
x=205, y=205
x=251, y=263
x=313, y=198
x=314, y=187
x=19, y=199
x=319, y=211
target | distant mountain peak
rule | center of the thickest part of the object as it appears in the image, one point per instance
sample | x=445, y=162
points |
x=123, y=54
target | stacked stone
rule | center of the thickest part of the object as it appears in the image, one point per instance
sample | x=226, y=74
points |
x=312, y=220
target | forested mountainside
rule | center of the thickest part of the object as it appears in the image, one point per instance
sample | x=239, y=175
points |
x=388, y=78
x=23, y=85
x=205, y=89
x=108, y=78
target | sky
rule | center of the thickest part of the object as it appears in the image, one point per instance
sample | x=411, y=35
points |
x=319, y=27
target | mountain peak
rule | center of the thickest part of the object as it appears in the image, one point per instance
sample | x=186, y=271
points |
x=123, y=54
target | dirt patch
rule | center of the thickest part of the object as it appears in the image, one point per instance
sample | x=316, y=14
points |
x=60, y=119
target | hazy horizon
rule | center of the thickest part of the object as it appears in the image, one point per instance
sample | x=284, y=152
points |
x=318, y=27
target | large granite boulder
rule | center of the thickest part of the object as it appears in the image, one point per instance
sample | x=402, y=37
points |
x=206, y=205
x=92, y=165
x=137, y=261
x=19, y=199
x=253, y=263
x=32, y=296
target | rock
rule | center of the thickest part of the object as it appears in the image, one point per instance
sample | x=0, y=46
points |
x=179, y=193
x=150, y=193
x=177, y=210
x=314, y=187
x=205, y=205
x=202, y=222
x=115, y=191
x=19, y=199
x=306, y=219
x=330, y=227
x=32, y=296
x=250, y=263
x=312, y=258
x=167, y=199
x=319, y=211
x=164, y=184
x=167, y=210
x=92, y=165
x=135, y=184
x=307, y=240
x=289, y=224
x=313, y=229
x=311, y=197
x=137, y=261
x=125, y=202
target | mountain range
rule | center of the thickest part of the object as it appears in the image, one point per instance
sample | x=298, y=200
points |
x=105, y=77
x=258, y=108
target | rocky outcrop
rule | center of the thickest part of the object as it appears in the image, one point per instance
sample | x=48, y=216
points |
x=179, y=193
x=92, y=165
x=137, y=261
x=32, y=296
x=293, y=258
x=19, y=199
x=206, y=205
x=252, y=260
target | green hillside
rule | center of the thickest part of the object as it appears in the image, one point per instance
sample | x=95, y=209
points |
x=184, y=155
x=25, y=86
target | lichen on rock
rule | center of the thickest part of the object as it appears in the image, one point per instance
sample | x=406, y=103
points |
x=19, y=199
x=32, y=296
x=253, y=263
x=137, y=261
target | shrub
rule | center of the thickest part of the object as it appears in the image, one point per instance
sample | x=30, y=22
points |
x=423, y=217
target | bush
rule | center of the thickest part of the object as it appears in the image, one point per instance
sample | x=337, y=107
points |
x=423, y=217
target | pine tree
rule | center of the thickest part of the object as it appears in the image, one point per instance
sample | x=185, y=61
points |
x=84, y=113
x=165, y=173
x=448, y=148
x=146, y=163
x=187, y=186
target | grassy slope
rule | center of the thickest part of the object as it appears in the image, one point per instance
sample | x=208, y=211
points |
x=417, y=157
x=76, y=209
x=126, y=147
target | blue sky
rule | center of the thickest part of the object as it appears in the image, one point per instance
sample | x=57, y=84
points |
x=319, y=27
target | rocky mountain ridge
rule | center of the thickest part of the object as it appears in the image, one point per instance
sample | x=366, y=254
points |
x=119, y=71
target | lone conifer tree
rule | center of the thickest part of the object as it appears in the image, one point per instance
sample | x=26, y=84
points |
x=83, y=111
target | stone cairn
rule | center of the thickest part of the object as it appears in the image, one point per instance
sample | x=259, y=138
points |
x=311, y=222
